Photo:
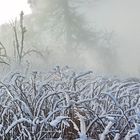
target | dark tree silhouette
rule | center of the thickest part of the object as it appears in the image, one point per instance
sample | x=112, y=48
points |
x=64, y=20
x=69, y=27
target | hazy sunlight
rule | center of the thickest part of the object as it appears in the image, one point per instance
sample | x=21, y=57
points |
x=10, y=9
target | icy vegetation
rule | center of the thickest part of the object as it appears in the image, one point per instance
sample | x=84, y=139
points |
x=62, y=104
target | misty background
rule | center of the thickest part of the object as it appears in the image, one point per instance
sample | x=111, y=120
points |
x=99, y=35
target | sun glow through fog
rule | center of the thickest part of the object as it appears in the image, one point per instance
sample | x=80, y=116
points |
x=10, y=9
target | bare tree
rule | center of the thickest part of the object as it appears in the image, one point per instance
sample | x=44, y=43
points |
x=3, y=55
x=19, y=48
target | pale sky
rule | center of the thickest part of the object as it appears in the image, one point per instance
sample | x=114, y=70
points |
x=9, y=9
x=120, y=16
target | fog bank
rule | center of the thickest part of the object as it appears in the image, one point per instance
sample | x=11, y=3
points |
x=123, y=18
x=99, y=35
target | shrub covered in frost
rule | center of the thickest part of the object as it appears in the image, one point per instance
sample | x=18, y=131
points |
x=64, y=105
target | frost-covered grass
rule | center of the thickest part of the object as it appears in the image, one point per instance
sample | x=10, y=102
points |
x=62, y=104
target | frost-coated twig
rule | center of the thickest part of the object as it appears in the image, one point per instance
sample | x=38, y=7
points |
x=16, y=122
